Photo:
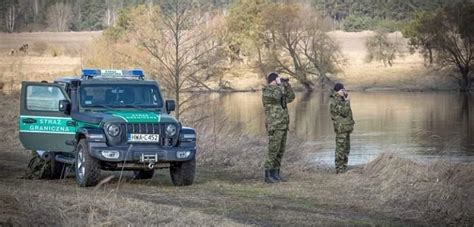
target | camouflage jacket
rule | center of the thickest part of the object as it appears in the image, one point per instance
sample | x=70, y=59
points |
x=341, y=113
x=275, y=98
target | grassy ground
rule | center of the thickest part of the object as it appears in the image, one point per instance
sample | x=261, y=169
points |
x=229, y=190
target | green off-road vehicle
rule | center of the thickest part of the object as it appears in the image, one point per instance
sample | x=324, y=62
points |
x=105, y=120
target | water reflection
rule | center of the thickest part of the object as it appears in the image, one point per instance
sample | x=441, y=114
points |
x=425, y=123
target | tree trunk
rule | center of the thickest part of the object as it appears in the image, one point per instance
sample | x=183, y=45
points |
x=430, y=53
x=307, y=86
x=177, y=110
x=324, y=80
x=10, y=18
x=465, y=82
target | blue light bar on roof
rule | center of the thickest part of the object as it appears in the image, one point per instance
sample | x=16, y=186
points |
x=112, y=73
x=90, y=72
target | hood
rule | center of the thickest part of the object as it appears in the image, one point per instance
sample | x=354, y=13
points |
x=129, y=116
x=139, y=117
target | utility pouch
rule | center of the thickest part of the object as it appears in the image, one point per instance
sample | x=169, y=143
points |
x=283, y=102
x=283, y=99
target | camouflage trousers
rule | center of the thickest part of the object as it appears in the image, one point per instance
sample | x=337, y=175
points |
x=37, y=167
x=276, y=148
x=343, y=147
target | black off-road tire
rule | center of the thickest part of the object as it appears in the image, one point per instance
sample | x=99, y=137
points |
x=90, y=173
x=144, y=174
x=182, y=173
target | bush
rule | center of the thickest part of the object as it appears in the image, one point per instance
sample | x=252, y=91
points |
x=358, y=23
x=387, y=25
x=55, y=51
x=381, y=48
x=39, y=47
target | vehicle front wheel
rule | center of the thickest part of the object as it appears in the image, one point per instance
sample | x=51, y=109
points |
x=87, y=167
x=144, y=174
x=182, y=173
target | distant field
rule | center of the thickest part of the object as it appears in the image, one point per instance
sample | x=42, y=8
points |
x=54, y=54
x=71, y=42
x=50, y=55
x=408, y=71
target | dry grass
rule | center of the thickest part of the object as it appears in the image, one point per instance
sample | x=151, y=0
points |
x=71, y=42
x=246, y=153
x=92, y=207
x=407, y=73
x=229, y=189
x=49, y=56
x=439, y=192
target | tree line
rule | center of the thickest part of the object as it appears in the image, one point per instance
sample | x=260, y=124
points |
x=67, y=15
x=87, y=15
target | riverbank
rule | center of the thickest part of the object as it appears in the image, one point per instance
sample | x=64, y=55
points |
x=229, y=189
x=53, y=55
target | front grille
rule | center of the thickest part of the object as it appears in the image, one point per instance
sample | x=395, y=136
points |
x=142, y=128
x=148, y=128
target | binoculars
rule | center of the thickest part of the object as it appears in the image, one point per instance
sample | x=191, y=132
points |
x=284, y=80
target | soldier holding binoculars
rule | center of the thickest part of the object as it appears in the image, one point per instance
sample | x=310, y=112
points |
x=275, y=96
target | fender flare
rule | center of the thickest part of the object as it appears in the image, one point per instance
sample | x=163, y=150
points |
x=91, y=134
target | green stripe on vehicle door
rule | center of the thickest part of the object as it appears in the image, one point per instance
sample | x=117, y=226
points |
x=46, y=124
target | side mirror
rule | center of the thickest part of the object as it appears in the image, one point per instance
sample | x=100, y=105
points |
x=170, y=106
x=65, y=106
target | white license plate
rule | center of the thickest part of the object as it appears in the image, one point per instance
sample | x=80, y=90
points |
x=144, y=138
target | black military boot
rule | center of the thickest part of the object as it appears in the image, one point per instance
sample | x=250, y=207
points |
x=270, y=176
x=277, y=175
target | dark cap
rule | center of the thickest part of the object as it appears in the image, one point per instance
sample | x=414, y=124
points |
x=271, y=77
x=338, y=87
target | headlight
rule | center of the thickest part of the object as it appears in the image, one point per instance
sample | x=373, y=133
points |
x=170, y=130
x=113, y=130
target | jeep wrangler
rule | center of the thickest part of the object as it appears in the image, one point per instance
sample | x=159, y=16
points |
x=105, y=120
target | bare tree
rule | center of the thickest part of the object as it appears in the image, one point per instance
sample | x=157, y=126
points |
x=178, y=42
x=112, y=6
x=323, y=54
x=35, y=7
x=298, y=44
x=59, y=16
x=10, y=17
x=381, y=48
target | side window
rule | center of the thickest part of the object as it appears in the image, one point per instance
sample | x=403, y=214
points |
x=43, y=98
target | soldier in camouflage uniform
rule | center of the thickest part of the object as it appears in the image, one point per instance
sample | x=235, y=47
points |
x=275, y=96
x=341, y=115
x=38, y=168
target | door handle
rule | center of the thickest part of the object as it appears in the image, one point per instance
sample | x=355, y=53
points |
x=71, y=123
x=28, y=120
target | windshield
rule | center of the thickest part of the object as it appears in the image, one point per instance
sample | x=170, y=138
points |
x=120, y=95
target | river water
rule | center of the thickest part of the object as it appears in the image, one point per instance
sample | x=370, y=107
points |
x=419, y=125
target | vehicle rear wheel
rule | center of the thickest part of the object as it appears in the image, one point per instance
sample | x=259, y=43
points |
x=87, y=167
x=144, y=174
x=182, y=173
